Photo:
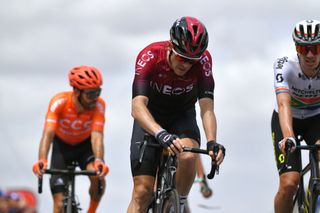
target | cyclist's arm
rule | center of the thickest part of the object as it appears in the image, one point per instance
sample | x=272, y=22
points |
x=210, y=125
x=285, y=116
x=208, y=117
x=45, y=143
x=97, y=144
x=140, y=112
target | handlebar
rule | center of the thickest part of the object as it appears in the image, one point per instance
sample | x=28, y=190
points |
x=289, y=145
x=214, y=168
x=69, y=172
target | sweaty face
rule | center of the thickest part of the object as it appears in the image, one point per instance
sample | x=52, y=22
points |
x=180, y=64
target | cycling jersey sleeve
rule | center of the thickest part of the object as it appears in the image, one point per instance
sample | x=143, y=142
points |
x=144, y=66
x=55, y=107
x=206, y=81
x=99, y=116
x=280, y=77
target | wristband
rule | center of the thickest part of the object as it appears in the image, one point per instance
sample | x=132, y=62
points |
x=99, y=159
x=158, y=132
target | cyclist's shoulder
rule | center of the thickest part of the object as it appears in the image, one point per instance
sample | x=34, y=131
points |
x=155, y=48
x=158, y=45
x=286, y=63
x=60, y=98
x=101, y=105
x=62, y=95
x=206, y=54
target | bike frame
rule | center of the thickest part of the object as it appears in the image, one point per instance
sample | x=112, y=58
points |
x=165, y=180
x=306, y=199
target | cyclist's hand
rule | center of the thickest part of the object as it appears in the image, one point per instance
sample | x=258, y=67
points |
x=169, y=141
x=39, y=167
x=101, y=168
x=216, y=152
x=286, y=142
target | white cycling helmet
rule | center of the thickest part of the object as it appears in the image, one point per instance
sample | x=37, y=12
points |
x=307, y=32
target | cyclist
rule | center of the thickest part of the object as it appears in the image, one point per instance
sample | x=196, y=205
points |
x=169, y=78
x=74, y=126
x=297, y=88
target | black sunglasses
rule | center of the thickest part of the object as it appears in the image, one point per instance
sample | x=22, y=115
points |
x=92, y=94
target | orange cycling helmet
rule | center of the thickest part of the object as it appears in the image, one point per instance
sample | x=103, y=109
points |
x=85, y=77
x=189, y=37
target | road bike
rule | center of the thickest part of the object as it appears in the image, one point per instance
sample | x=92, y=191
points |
x=306, y=199
x=166, y=197
x=69, y=203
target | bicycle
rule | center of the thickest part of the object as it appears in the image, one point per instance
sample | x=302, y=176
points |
x=69, y=202
x=166, y=197
x=306, y=199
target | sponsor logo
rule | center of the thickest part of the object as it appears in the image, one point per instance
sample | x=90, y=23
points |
x=142, y=61
x=279, y=78
x=59, y=182
x=281, y=61
x=169, y=90
x=306, y=93
x=206, y=65
x=75, y=125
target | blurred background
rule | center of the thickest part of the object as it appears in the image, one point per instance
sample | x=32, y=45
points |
x=41, y=40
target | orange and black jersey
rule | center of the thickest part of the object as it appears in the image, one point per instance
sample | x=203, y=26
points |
x=70, y=126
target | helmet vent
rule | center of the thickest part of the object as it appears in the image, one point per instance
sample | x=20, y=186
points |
x=195, y=29
x=316, y=35
x=309, y=31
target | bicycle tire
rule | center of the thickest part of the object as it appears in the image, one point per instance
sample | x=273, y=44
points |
x=171, y=203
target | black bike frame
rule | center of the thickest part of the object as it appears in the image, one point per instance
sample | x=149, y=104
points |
x=166, y=173
x=307, y=200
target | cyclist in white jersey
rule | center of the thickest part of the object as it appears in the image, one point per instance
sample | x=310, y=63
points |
x=297, y=112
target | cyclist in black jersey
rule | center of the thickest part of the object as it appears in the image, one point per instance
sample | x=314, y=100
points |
x=170, y=77
x=297, y=86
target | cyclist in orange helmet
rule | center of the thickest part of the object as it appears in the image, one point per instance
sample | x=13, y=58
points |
x=74, y=126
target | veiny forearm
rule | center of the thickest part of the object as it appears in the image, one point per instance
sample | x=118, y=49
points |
x=97, y=144
x=209, y=125
x=208, y=117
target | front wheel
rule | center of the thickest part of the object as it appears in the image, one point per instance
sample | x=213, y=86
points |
x=171, y=203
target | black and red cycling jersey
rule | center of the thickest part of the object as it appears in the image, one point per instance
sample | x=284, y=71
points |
x=169, y=93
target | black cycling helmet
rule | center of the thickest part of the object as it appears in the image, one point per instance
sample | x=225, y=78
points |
x=307, y=32
x=189, y=37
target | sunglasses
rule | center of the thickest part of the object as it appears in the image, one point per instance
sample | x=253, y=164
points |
x=183, y=59
x=304, y=49
x=92, y=94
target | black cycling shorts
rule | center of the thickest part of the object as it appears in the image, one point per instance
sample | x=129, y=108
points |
x=308, y=128
x=184, y=125
x=63, y=155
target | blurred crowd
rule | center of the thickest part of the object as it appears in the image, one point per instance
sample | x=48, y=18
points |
x=17, y=201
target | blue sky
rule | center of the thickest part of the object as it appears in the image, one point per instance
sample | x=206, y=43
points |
x=41, y=40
